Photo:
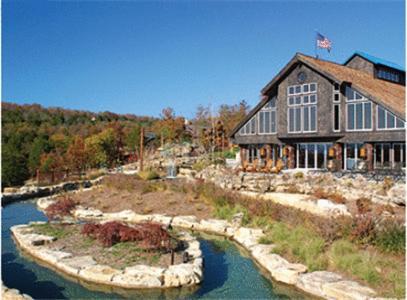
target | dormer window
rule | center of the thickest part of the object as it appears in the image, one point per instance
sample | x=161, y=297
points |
x=388, y=75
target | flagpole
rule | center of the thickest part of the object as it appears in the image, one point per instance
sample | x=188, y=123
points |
x=315, y=44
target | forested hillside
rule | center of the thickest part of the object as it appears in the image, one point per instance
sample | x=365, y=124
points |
x=55, y=139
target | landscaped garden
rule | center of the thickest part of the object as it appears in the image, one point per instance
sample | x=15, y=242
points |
x=366, y=247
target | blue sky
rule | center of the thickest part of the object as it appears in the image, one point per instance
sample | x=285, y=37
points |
x=138, y=57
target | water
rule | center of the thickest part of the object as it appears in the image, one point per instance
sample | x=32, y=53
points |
x=228, y=274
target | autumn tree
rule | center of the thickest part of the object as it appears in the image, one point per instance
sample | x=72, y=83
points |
x=76, y=155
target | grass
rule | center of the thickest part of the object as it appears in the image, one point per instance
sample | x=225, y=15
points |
x=148, y=175
x=58, y=231
x=300, y=243
x=226, y=212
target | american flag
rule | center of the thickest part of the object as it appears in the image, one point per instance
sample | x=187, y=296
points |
x=323, y=42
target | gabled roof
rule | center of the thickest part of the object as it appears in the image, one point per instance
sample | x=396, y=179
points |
x=390, y=95
x=376, y=60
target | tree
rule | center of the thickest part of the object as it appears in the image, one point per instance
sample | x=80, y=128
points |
x=132, y=139
x=13, y=165
x=76, y=155
x=38, y=147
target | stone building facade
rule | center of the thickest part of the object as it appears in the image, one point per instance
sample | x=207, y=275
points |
x=317, y=114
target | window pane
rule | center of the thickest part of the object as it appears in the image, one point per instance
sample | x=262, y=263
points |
x=400, y=123
x=311, y=156
x=261, y=121
x=390, y=120
x=273, y=102
x=397, y=153
x=297, y=89
x=298, y=119
x=267, y=122
x=381, y=118
x=386, y=155
x=336, y=117
x=378, y=151
x=291, y=90
x=273, y=121
x=320, y=156
x=290, y=100
x=359, y=116
x=349, y=93
x=291, y=119
x=298, y=100
x=253, y=126
x=313, y=118
x=368, y=115
x=313, y=87
x=336, y=97
x=306, y=118
x=305, y=88
x=301, y=155
x=336, y=87
x=305, y=99
x=313, y=99
x=351, y=116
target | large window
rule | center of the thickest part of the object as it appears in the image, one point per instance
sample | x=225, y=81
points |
x=387, y=121
x=267, y=118
x=249, y=128
x=358, y=111
x=336, y=108
x=302, y=108
x=312, y=156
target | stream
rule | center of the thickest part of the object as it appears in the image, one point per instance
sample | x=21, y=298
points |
x=228, y=273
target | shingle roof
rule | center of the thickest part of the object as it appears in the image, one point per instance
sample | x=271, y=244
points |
x=376, y=61
x=390, y=95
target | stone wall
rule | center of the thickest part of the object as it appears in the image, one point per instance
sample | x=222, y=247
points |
x=351, y=188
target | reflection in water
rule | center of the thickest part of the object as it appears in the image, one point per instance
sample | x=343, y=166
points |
x=227, y=274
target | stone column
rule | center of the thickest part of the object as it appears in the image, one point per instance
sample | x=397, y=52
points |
x=369, y=156
x=243, y=153
x=291, y=157
x=268, y=152
x=338, y=156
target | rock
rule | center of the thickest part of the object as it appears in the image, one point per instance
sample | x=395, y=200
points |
x=312, y=282
x=75, y=264
x=99, y=273
x=37, y=239
x=215, y=226
x=260, y=250
x=331, y=208
x=248, y=237
x=136, y=218
x=125, y=215
x=52, y=256
x=162, y=219
x=182, y=274
x=87, y=213
x=397, y=194
x=190, y=222
x=237, y=219
x=43, y=203
x=347, y=290
x=288, y=273
x=140, y=276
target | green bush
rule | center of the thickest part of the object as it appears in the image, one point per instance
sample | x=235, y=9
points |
x=200, y=165
x=391, y=237
x=148, y=175
x=226, y=212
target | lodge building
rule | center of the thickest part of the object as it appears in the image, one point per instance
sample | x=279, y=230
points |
x=317, y=114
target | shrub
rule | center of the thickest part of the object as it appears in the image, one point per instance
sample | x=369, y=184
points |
x=363, y=229
x=333, y=196
x=391, y=237
x=59, y=209
x=363, y=205
x=299, y=175
x=148, y=175
x=150, y=235
x=387, y=183
x=200, y=165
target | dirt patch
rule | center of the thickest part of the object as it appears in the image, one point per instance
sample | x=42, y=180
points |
x=121, y=192
x=120, y=255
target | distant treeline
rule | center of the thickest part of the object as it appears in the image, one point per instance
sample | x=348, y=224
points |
x=63, y=140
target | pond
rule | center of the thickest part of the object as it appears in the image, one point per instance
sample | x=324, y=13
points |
x=228, y=273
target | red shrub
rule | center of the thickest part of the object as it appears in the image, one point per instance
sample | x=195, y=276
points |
x=59, y=209
x=363, y=228
x=150, y=235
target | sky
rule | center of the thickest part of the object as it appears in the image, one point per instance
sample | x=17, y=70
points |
x=141, y=56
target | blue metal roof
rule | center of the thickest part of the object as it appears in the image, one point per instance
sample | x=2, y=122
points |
x=377, y=61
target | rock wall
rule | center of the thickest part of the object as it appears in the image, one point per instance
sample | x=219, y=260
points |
x=351, y=187
x=28, y=192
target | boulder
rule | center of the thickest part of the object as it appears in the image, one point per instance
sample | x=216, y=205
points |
x=87, y=213
x=136, y=218
x=182, y=274
x=43, y=203
x=162, y=219
x=331, y=208
x=99, y=273
x=248, y=237
x=215, y=226
x=140, y=276
x=190, y=222
x=397, y=194
x=125, y=215
x=288, y=273
x=36, y=239
x=52, y=256
x=347, y=290
x=313, y=282
x=75, y=264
